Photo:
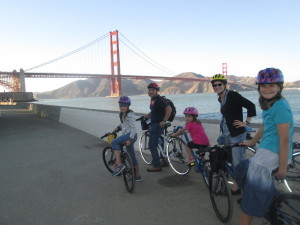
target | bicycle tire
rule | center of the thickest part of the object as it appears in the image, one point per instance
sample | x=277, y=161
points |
x=220, y=195
x=108, y=158
x=293, y=173
x=128, y=172
x=206, y=172
x=177, y=156
x=285, y=209
x=144, y=147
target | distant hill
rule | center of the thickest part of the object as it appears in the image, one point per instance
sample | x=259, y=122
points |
x=98, y=87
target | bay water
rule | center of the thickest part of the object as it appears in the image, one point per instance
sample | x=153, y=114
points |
x=206, y=103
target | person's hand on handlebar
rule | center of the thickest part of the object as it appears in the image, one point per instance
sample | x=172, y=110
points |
x=279, y=174
x=247, y=143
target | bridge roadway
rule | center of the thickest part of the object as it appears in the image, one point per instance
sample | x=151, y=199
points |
x=52, y=174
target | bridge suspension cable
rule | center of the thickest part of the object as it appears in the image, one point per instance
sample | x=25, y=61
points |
x=68, y=54
x=144, y=56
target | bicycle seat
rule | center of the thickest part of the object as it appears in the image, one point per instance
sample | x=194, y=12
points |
x=167, y=124
x=202, y=149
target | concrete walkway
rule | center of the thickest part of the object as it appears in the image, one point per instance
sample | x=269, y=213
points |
x=52, y=174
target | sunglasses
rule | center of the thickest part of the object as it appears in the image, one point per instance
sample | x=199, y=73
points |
x=216, y=85
x=123, y=105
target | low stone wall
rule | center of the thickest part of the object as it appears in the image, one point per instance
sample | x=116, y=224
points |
x=98, y=122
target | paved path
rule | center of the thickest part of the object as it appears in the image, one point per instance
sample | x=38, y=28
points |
x=52, y=174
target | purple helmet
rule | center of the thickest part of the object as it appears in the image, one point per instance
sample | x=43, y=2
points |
x=153, y=85
x=191, y=111
x=124, y=100
x=269, y=76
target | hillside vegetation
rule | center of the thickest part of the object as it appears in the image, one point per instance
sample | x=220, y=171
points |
x=98, y=87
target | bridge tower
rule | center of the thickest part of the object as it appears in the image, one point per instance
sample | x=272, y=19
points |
x=224, y=69
x=115, y=81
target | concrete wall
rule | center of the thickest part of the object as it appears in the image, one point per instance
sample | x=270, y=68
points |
x=99, y=122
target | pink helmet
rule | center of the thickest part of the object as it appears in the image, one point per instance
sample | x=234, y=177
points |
x=191, y=111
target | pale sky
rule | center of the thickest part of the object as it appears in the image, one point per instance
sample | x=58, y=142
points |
x=182, y=35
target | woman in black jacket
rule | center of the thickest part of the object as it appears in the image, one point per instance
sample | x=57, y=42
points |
x=232, y=125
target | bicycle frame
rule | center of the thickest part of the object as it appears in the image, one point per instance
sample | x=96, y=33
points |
x=165, y=137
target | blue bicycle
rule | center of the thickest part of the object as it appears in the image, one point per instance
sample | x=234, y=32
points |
x=178, y=157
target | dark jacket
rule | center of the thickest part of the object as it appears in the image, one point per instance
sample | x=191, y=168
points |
x=158, y=109
x=233, y=110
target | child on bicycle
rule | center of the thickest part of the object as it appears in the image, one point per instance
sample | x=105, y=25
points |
x=128, y=137
x=196, y=130
x=254, y=175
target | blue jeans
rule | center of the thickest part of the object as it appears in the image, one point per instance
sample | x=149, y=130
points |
x=130, y=149
x=237, y=152
x=155, y=132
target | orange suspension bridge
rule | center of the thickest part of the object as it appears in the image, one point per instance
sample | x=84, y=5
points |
x=15, y=81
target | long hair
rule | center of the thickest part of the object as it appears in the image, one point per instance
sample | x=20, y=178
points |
x=123, y=115
x=266, y=104
x=195, y=119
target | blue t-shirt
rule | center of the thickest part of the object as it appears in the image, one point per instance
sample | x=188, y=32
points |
x=279, y=113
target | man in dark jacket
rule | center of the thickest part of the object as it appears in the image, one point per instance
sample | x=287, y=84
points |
x=160, y=113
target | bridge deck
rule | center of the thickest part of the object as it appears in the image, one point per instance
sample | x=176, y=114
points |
x=52, y=174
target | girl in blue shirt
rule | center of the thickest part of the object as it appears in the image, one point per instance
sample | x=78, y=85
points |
x=254, y=175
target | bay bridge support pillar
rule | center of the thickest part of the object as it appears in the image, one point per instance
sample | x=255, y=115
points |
x=115, y=81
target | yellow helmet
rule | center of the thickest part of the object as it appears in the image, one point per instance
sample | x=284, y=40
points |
x=219, y=77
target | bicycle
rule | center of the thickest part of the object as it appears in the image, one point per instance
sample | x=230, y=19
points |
x=110, y=162
x=284, y=209
x=175, y=151
x=220, y=184
x=178, y=158
x=163, y=141
x=293, y=172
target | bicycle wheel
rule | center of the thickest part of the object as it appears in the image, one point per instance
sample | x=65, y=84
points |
x=144, y=147
x=128, y=172
x=206, y=172
x=220, y=195
x=293, y=173
x=177, y=156
x=109, y=159
x=285, y=209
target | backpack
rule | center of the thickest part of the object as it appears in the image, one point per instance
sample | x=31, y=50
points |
x=170, y=103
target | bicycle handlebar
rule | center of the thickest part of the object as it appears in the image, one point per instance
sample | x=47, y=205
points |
x=141, y=118
x=109, y=133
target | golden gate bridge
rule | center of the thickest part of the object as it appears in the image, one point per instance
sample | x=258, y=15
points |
x=15, y=81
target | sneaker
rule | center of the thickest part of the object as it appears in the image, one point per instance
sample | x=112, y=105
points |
x=118, y=169
x=138, y=178
x=191, y=162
